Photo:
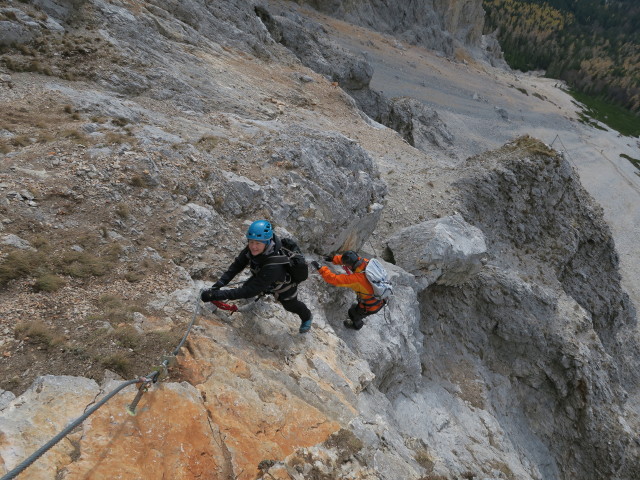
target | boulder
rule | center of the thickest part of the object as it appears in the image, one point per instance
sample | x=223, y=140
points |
x=329, y=195
x=418, y=124
x=17, y=242
x=447, y=251
x=32, y=419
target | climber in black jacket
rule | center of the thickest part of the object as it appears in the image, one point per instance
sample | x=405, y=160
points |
x=268, y=274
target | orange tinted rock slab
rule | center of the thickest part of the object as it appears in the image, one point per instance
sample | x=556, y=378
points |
x=170, y=437
x=263, y=424
x=258, y=417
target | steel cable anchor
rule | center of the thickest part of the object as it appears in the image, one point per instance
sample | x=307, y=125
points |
x=145, y=383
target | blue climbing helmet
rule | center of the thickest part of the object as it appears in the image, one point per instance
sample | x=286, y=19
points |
x=261, y=231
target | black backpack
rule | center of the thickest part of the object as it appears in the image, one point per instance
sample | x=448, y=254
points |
x=291, y=256
x=298, y=268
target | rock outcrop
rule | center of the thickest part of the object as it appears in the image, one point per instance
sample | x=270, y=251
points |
x=308, y=40
x=418, y=124
x=557, y=226
x=448, y=251
x=440, y=25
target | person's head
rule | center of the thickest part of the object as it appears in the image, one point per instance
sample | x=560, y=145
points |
x=351, y=259
x=259, y=234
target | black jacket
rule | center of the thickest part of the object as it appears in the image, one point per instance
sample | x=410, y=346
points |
x=265, y=276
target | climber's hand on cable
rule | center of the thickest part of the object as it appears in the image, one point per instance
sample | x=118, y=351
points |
x=211, y=294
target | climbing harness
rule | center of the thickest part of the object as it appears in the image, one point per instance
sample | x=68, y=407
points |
x=348, y=271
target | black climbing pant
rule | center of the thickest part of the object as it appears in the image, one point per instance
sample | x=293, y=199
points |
x=356, y=314
x=293, y=305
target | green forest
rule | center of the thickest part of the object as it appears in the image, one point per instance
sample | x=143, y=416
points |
x=593, y=45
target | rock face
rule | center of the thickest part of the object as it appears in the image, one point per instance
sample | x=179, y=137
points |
x=582, y=260
x=436, y=24
x=308, y=40
x=311, y=44
x=330, y=184
x=418, y=124
x=562, y=330
x=508, y=351
x=25, y=423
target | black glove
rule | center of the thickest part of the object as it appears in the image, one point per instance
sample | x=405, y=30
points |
x=315, y=265
x=217, y=285
x=328, y=258
x=211, y=294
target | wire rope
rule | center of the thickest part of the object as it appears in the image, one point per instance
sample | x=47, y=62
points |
x=145, y=381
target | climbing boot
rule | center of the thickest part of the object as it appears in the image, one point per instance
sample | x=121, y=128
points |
x=305, y=326
x=350, y=324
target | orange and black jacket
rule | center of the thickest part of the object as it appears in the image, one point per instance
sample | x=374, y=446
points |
x=356, y=281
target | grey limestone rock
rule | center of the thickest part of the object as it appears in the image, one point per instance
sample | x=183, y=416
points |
x=530, y=204
x=563, y=341
x=447, y=251
x=418, y=124
x=60, y=9
x=493, y=51
x=435, y=24
x=311, y=44
x=5, y=398
x=241, y=194
x=12, y=32
x=331, y=185
x=540, y=345
x=17, y=242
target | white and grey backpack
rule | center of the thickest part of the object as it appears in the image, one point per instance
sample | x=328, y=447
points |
x=379, y=279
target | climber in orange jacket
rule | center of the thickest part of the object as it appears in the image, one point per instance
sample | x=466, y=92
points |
x=357, y=281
